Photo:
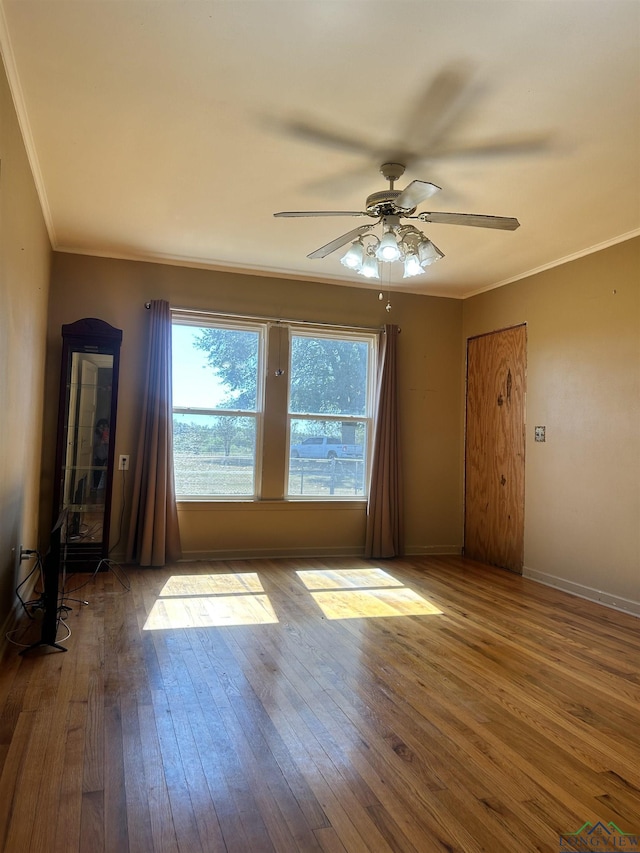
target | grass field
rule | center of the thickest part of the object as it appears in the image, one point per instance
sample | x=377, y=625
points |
x=233, y=476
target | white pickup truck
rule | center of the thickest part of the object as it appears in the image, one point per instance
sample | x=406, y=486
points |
x=325, y=447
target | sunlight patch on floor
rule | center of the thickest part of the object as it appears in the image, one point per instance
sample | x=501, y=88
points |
x=212, y=584
x=363, y=593
x=211, y=601
x=346, y=578
x=358, y=604
x=224, y=600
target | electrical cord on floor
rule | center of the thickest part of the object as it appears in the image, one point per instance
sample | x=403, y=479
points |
x=62, y=621
x=111, y=565
x=118, y=572
x=36, y=602
x=27, y=606
x=67, y=592
x=37, y=605
x=34, y=606
x=10, y=634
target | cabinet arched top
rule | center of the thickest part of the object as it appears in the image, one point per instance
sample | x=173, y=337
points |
x=93, y=328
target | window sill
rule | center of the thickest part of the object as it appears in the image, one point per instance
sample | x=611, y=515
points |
x=295, y=505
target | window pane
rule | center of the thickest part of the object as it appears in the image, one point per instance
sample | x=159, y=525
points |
x=327, y=458
x=215, y=368
x=214, y=455
x=328, y=376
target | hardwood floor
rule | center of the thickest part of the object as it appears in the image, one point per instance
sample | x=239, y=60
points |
x=422, y=704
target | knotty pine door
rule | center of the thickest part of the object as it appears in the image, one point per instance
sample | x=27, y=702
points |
x=494, y=448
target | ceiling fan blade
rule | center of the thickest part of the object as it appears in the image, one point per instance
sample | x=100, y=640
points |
x=321, y=213
x=532, y=144
x=437, y=108
x=321, y=135
x=323, y=251
x=504, y=223
x=414, y=194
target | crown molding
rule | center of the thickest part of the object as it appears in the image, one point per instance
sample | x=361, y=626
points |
x=598, y=247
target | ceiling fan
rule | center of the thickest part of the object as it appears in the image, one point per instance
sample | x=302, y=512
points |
x=399, y=241
x=433, y=129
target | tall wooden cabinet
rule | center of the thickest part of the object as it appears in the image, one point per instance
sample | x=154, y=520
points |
x=85, y=441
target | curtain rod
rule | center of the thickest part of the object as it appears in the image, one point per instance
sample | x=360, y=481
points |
x=198, y=311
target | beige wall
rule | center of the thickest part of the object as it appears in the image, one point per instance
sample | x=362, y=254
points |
x=24, y=286
x=582, y=504
x=430, y=395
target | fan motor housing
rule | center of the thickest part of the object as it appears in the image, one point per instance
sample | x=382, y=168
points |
x=382, y=203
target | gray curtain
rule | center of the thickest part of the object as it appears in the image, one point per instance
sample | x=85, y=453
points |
x=384, y=511
x=154, y=537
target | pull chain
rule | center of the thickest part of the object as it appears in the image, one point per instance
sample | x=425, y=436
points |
x=387, y=307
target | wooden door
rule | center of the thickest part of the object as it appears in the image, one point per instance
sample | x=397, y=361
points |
x=494, y=448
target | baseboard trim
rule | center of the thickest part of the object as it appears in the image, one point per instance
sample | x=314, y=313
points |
x=270, y=553
x=432, y=550
x=615, y=602
x=292, y=553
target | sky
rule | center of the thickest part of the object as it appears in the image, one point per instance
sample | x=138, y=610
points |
x=194, y=382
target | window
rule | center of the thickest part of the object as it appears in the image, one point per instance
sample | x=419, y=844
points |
x=217, y=403
x=225, y=397
x=330, y=414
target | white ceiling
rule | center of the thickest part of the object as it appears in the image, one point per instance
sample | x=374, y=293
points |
x=162, y=130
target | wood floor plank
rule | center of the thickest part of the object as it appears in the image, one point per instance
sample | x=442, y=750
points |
x=329, y=840
x=93, y=778
x=184, y=821
x=116, y=816
x=163, y=830
x=11, y=779
x=24, y=806
x=53, y=765
x=67, y=830
x=92, y=822
x=137, y=787
x=411, y=705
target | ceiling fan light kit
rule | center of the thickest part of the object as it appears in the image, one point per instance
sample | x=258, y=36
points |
x=370, y=267
x=355, y=255
x=412, y=265
x=428, y=253
x=388, y=249
x=398, y=242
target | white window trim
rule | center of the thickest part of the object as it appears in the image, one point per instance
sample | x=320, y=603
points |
x=341, y=334
x=204, y=319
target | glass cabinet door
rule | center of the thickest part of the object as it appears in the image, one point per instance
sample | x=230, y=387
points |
x=85, y=441
x=87, y=433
